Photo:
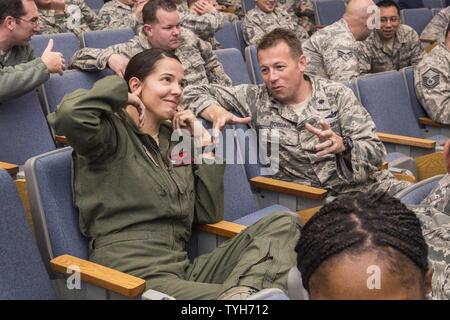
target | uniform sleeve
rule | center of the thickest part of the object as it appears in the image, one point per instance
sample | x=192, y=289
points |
x=314, y=59
x=203, y=26
x=364, y=54
x=416, y=49
x=83, y=118
x=214, y=69
x=252, y=32
x=209, y=201
x=433, y=90
x=19, y=79
x=93, y=21
x=355, y=122
x=436, y=28
x=241, y=99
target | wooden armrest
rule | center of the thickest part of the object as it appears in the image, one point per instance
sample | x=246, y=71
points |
x=12, y=169
x=427, y=40
x=430, y=47
x=320, y=26
x=405, y=140
x=384, y=165
x=307, y=214
x=100, y=276
x=61, y=139
x=222, y=228
x=430, y=165
x=431, y=123
x=404, y=177
x=292, y=188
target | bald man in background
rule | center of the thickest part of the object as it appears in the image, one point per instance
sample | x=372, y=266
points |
x=330, y=52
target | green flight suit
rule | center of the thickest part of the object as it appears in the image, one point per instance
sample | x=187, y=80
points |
x=138, y=209
x=20, y=72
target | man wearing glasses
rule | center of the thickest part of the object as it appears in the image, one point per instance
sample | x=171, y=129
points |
x=20, y=70
x=393, y=46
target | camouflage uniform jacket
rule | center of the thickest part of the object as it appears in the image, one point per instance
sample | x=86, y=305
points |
x=331, y=53
x=116, y=15
x=78, y=18
x=437, y=26
x=198, y=59
x=298, y=160
x=204, y=26
x=432, y=81
x=20, y=72
x=375, y=56
x=434, y=215
x=257, y=23
x=303, y=10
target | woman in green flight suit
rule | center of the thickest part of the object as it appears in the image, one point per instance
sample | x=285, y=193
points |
x=137, y=202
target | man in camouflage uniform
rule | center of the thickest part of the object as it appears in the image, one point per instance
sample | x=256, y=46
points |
x=434, y=215
x=332, y=51
x=59, y=16
x=436, y=28
x=432, y=81
x=326, y=138
x=161, y=30
x=20, y=70
x=393, y=46
x=265, y=17
x=117, y=14
x=302, y=10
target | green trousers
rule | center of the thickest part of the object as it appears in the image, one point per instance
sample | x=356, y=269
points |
x=259, y=257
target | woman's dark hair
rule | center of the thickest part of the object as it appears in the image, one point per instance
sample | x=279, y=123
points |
x=360, y=223
x=142, y=64
x=13, y=8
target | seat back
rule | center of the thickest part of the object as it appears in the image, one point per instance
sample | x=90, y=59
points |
x=432, y=4
x=56, y=87
x=435, y=11
x=386, y=98
x=56, y=221
x=248, y=5
x=23, y=275
x=328, y=11
x=251, y=59
x=104, y=38
x=24, y=131
x=234, y=65
x=418, y=191
x=227, y=36
x=416, y=18
x=408, y=77
x=66, y=43
x=240, y=35
x=94, y=4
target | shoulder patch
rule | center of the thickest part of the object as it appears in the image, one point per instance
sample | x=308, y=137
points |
x=431, y=78
x=345, y=54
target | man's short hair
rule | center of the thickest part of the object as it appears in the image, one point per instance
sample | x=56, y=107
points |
x=278, y=35
x=13, y=8
x=150, y=8
x=389, y=3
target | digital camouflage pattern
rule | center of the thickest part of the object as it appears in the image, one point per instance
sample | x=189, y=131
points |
x=204, y=26
x=434, y=215
x=436, y=28
x=198, y=59
x=432, y=82
x=116, y=14
x=374, y=55
x=77, y=18
x=302, y=10
x=257, y=23
x=298, y=161
x=331, y=53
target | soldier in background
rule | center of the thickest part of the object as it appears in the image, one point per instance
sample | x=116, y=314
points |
x=393, y=46
x=432, y=81
x=117, y=14
x=436, y=28
x=266, y=16
x=326, y=138
x=161, y=30
x=302, y=10
x=20, y=70
x=59, y=16
x=332, y=51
